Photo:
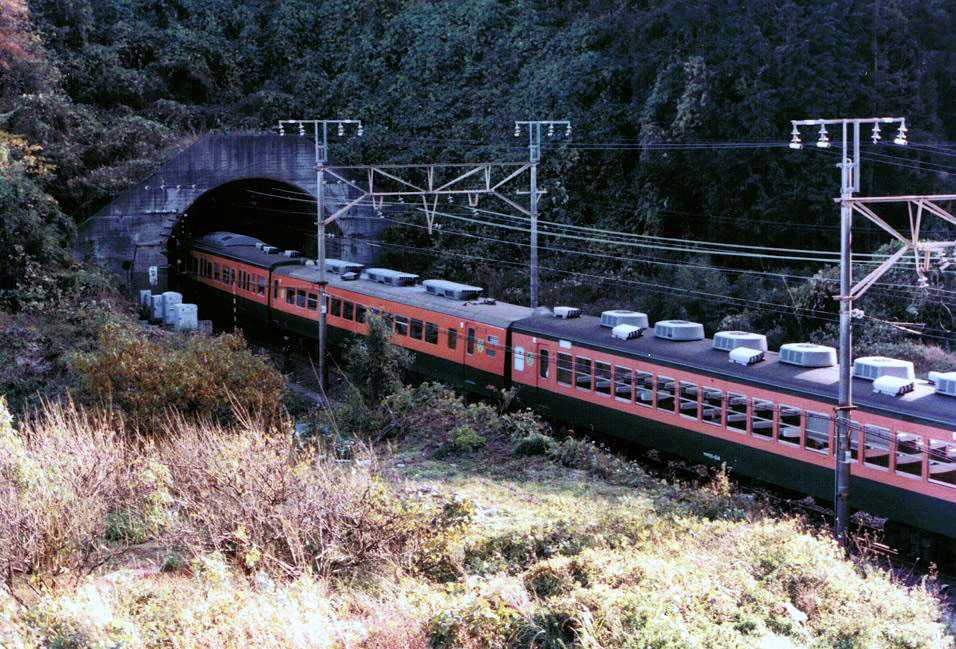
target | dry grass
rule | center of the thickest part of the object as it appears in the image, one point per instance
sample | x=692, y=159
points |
x=237, y=537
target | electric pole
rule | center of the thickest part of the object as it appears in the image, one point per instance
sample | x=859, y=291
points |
x=849, y=183
x=320, y=132
x=534, y=156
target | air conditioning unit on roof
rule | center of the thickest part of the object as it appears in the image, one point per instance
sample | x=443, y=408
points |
x=270, y=249
x=728, y=340
x=452, y=290
x=893, y=386
x=339, y=266
x=681, y=330
x=873, y=367
x=292, y=253
x=391, y=277
x=745, y=355
x=946, y=383
x=627, y=331
x=567, y=312
x=617, y=317
x=808, y=355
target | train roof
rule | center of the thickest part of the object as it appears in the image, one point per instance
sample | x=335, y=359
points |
x=242, y=248
x=499, y=314
x=922, y=404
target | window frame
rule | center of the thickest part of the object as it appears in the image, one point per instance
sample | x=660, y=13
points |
x=681, y=400
x=544, y=363
x=619, y=383
x=579, y=363
x=416, y=326
x=608, y=390
x=431, y=333
x=569, y=369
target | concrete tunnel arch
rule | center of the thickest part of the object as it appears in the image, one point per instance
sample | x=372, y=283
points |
x=221, y=182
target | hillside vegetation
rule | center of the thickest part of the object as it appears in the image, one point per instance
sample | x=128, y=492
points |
x=244, y=536
x=95, y=93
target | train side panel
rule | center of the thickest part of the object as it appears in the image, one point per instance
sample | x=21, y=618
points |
x=901, y=470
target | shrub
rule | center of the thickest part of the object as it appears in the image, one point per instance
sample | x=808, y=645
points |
x=265, y=502
x=375, y=366
x=148, y=378
x=534, y=444
x=65, y=481
x=436, y=414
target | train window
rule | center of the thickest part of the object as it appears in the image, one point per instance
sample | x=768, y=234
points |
x=215, y=271
x=644, y=394
x=431, y=333
x=544, y=364
x=737, y=412
x=519, y=359
x=665, y=393
x=360, y=312
x=417, y=327
x=242, y=280
x=712, y=406
x=564, y=368
x=290, y=295
x=942, y=462
x=261, y=284
x=623, y=383
x=582, y=372
x=312, y=301
x=336, y=307
x=452, y=338
x=348, y=310
x=876, y=446
x=909, y=454
x=470, y=342
x=855, y=429
x=492, y=346
x=275, y=289
x=688, y=400
x=790, y=420
x=602, y=377
x=761, y=423
x=818, y=432
x=401, y=325
x=300, y=298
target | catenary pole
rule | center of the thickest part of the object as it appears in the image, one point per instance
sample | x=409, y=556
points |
x=849, y=183
x=534, y=194
x=320, y=133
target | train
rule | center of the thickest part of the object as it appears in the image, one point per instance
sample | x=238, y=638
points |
x=725, y=400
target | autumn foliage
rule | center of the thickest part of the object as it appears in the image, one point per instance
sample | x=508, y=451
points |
x=146, y=378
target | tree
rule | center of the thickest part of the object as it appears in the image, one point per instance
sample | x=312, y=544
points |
x=375, y=366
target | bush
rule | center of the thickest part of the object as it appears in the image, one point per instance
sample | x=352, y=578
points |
x=149, y=378
x=436, y=414
x=66, y=481
x=265, y=502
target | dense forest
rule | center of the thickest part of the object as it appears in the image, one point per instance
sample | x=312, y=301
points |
x=94, y=93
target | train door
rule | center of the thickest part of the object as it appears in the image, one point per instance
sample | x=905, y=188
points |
x=544, y=370
x=475, y=356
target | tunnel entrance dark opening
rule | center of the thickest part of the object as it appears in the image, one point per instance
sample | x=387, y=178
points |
x=278, y=213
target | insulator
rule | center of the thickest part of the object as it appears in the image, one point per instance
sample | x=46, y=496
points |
x=281, y=130
x=301, y=129
x=550, y=130
x=517, y=130
x=824, y=141
x=341, y=129
x=876, y=137
x=901, y=135
x=567, y=131
x=361, y=131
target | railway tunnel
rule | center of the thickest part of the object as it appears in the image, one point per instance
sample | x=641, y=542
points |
x=262, y=185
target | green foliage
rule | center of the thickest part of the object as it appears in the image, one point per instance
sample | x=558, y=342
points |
x=447, y=423
x=375, y=366
x=33, y=230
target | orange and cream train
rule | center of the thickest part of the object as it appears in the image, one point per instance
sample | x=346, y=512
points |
x=768, y=415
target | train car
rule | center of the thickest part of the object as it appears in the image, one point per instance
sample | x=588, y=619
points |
x=729, y=400
x=229, y=274
x=764, y=417
x=454, y=334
